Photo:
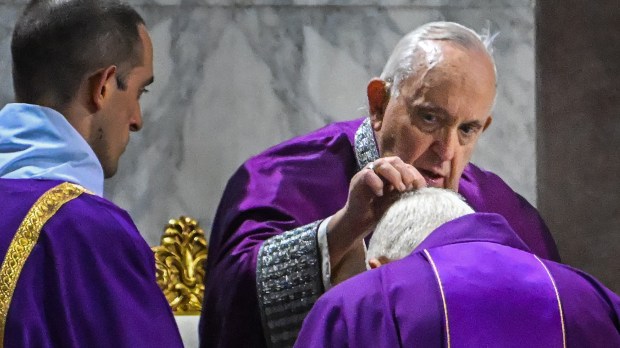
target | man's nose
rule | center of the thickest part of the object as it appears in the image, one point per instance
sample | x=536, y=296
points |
x=446, y=144
x=136, y=122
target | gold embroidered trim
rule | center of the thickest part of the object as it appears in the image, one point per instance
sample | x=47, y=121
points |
x=557, y=296
x=26, y=238
x=443, y=296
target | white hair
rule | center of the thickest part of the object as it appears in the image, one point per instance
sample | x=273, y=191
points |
x=412, y=218
x=414, y=55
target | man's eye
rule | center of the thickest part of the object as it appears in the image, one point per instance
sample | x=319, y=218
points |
x=468, y=130
x=428, y=118
x=142, y=91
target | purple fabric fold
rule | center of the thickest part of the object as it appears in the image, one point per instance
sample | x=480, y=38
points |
x=89, y=281
x=497, y=295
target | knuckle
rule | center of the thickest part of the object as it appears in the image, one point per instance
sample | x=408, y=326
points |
x=392, y=159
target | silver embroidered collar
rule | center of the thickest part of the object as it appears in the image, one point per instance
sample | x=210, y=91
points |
x=365, y=145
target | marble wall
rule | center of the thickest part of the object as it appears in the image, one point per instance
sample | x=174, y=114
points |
x=235, y=77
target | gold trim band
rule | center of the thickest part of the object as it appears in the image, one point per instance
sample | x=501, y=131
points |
x=26, y=238
x=443, y=296
x=557, y=296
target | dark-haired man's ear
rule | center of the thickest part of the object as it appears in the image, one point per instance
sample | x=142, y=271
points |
x=378, y=97
x=100, y=85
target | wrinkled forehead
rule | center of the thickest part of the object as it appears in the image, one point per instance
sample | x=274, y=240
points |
x=436, y=58
x=452, y=69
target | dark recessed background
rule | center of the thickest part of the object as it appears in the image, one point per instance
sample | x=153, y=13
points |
x=578, y=131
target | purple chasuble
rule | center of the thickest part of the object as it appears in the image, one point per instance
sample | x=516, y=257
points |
x=494, y=295
x=89, y=280
x=263, y=269
x=497, y=294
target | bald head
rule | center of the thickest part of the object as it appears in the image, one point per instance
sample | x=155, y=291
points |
x=433, y=45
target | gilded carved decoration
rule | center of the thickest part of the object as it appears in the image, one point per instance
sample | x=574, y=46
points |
x=179, y=263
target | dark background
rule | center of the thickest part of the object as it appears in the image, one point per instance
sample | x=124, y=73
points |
x=578, y=131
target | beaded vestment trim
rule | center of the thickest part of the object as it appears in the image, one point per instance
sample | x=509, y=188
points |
x=288, y=282
x=288, y=270
x=365, y=145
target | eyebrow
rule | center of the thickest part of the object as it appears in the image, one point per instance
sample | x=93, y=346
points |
x=432, y=108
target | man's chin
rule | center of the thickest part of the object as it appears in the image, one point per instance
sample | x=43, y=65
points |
x=109, y=171
x=108, y=174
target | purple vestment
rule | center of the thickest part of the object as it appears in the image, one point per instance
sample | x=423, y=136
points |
x=496, y=294
x=263, y=269
x=88, y=282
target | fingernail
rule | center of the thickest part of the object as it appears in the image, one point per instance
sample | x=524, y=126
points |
x=379, y=193
x=402, y=187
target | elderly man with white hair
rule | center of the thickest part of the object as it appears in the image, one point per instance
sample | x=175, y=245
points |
x=410, y=220
x=459, y=279
x=293, y=219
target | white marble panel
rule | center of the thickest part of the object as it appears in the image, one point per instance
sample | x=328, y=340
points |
x=472, y=4
x=188, y=328
x=234, y=77
x=8, y=15
x=459, y=4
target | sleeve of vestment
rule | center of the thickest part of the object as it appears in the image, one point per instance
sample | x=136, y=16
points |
x=263, y=268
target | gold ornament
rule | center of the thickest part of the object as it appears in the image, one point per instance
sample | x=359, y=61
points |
x=179, y=263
